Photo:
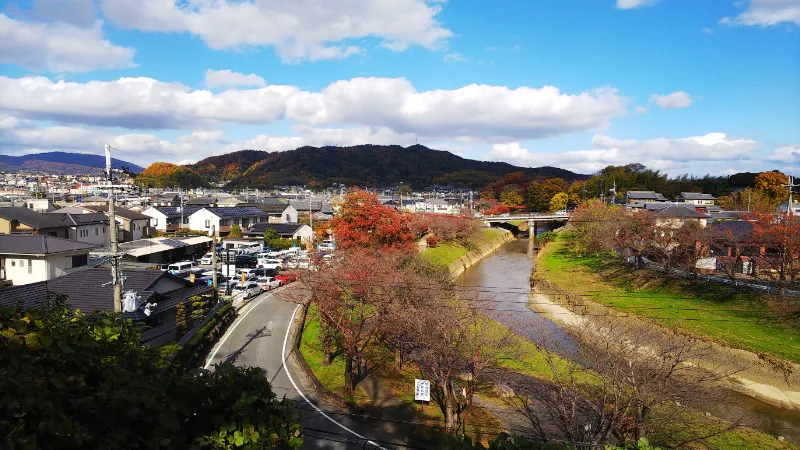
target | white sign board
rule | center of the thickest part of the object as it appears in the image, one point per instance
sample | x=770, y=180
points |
x=706, y=263
x=422, y=390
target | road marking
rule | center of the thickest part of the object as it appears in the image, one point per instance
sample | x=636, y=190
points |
x=291, y=380
x=230, y=331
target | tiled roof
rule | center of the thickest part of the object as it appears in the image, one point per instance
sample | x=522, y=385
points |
x=70, y=219
x=740, y=229
x=122, y=212
x=31, y=218
x=201, y=201
x=314, y=206
x=235, y=211
x=277, y=208
x=647, y=195
x=38, y=244
x=91, y=290
x=697, y=196
x=283, y=229
x=680, y=212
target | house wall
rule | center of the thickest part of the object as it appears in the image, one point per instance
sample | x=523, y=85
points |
x=139, y=228
x=305, y=233
x=94, y=234
x=197, y=221
x=26, y=269
x=289, y=215
x=159, y=218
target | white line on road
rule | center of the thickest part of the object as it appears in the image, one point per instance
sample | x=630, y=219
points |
x=230, y=332
x=291, y=380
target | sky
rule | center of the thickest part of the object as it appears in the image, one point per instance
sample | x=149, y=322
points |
x=682, y=86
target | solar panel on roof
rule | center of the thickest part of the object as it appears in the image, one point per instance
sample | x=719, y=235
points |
x=173, y=243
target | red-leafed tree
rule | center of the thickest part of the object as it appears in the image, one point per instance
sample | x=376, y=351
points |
x=363, y=222
x=779, y=238
x=635, y=236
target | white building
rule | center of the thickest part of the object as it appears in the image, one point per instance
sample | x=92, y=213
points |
x=170, y=218
x=132, y=225
x=224, y=218
x=30, y=258
x=696, y=198
x=298, y=231
x=92, y=229
x=435, y=206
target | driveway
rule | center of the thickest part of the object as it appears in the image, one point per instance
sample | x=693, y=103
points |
x=260, y=337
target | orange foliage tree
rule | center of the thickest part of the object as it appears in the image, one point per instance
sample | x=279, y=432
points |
x=773, y=183
x=363, y=222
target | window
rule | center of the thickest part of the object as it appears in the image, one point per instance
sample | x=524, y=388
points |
x=155, y=221
x=80, y=260
x=96, y=231
x=287, y=218
x=224, y=222
x=13, y=263
x=208, y=223
x=236, y=221
x=30, y=267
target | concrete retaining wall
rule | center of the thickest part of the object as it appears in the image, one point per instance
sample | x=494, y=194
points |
x=460, y=265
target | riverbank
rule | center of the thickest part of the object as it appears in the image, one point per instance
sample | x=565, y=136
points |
x=570, y=303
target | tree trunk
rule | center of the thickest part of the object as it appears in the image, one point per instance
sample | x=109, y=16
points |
x=349, y=385
x=451, y=414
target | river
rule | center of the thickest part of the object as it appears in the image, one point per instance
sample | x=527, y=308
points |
x=505, y=277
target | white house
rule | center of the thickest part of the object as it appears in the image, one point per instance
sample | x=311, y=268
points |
x=41, y=205
x=224, y=218
x=92, y=229
x=297, y=231
x=696, y=198
x=436, y=206
x=168, y=218
x=132, y=225
x=30, y=258
x=279, y=213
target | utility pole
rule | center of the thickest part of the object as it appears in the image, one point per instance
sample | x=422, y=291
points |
x=180, y=194
x=310, y=217
x=214, y=262
x=470, y=204
x=116, y=279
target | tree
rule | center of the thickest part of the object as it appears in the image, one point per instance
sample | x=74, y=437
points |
x=635, y=235
x=236, y=231
x=577, y=192
x=749, y=199
x=559, y=202
x=85, y=381
x=779, y=237
x=405, y=190
x=511, y=196
x=366, y=223
x=270, y=235
x=773, y=183
x=594, y=226
x=514, y=178
x=534, y=196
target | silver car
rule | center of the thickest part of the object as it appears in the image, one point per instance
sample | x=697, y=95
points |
x=247, y=290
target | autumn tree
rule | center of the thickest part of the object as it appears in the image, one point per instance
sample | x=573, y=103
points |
x=674, y=245
x=635, y=235
x=773, y=183
x=559, y=202
x=236, y=231
x=514, y=178
x=576, y=193
x=594, y=227
x=779, y=236
x=366, y=223
x=534, y=197
x=749, y=199
x=511, y=196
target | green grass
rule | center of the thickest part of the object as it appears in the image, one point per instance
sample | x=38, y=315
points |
x=447, y=252
x=331, y=376
x=738, y=318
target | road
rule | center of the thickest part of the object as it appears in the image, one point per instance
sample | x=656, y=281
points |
x=260, y=337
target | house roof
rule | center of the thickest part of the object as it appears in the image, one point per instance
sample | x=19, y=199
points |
x=235, y=211
x=679, y=212
x=261, y=200
x=740, y=229
x=645, y=195
x=272, y=208
x=141, y=247
x=314, y=206
x=201, y=201
x=175, y=211
x=91, y=290
x=696, y=196
x=70, y=219
x=283, y=229
x=38, y=244
x=31, y=218
x=120, y=211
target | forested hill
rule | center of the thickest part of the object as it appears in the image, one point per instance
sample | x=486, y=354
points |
x=63, y=162
x=366, y=165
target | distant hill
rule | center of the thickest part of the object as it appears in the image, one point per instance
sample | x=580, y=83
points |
x=366, y=165
x=63, y=162
x=167, y=175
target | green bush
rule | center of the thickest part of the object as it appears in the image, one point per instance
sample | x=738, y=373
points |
x=546, y=238
x=193, y=352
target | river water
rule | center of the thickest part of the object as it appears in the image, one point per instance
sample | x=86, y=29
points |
x=504, y=276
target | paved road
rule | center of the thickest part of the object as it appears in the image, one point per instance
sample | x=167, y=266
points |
x=259, y=337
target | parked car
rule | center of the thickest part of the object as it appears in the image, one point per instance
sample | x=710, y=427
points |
x=269, y=283
x=206, y=259
x=246, y=261
x=262, y=272
x=226, y=287
x=247, y=290
x=270, y=263
x=248, y=273
x=286, y=277
x=181, y=269
x=562, y=212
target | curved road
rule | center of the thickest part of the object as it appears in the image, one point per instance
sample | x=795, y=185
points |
x=260, y=337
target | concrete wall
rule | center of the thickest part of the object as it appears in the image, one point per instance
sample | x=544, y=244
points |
x=458, y=266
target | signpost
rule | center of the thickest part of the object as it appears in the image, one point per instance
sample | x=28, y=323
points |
x=422, y=391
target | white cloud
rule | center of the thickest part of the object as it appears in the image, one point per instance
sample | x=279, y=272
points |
x=767, y=13
x=227, y=79
x=640, y=110
x=788, y=154
x=298, y=30
x=504, y=49
x=677, y=155
x=455, y=57
x=59, y=47
x=678, y=99
x=470, y=112
x=630, y=4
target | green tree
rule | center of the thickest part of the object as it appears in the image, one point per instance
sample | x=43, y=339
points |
x=269, y=236
x=236, y=231
x=511, y=196
x=405, y=190
x=86, y=381
x=533, y=198
x=559, y=202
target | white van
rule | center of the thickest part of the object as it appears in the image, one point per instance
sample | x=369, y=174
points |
x=180, y=268
x=252, y=249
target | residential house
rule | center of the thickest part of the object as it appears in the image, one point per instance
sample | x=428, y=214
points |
x=132, y=225
x=229, y=200
x=677, y=215
x=167, y=200
x=168, y=218
x=731, y=247
x=201, y=201
x=19, y=220
x=224, y=217
x=322, y=210
x=152, y=297
x=93, y=200
x=40, y=204
x=29, y=258
x=297, y=231
x=436, y=206
x=278, y=212
x=633, y=197
x=92, y=229
x=696, y=198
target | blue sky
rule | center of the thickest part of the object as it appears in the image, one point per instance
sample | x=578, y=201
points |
x=681, y=86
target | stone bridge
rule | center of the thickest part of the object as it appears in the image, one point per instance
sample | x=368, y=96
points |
x=533, y=220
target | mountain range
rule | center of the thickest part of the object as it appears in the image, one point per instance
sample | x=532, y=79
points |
x=364, y=165
x=63, y=163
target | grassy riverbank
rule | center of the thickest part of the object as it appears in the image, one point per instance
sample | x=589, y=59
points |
x=447, y=252
x=732, y=316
